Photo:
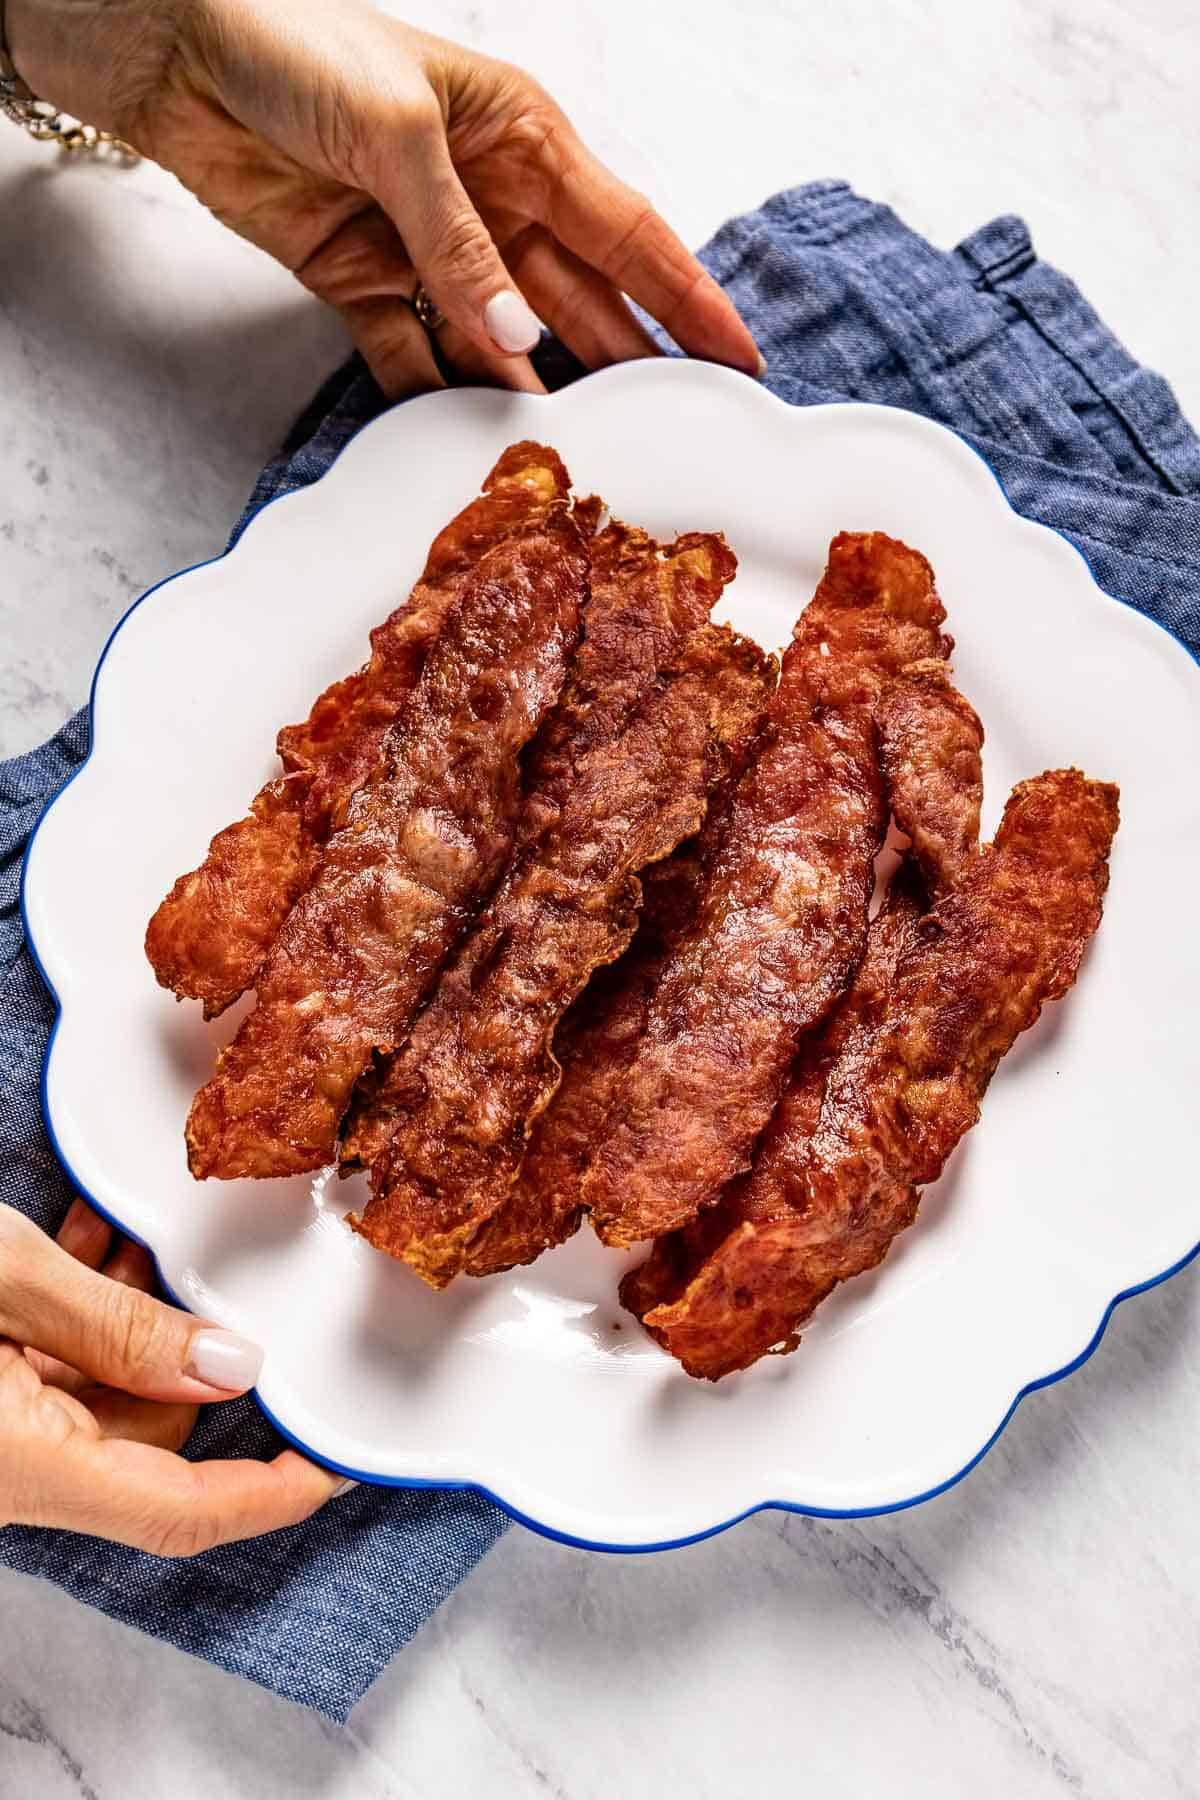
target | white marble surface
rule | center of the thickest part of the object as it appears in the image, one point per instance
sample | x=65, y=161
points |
x=1038, y=1628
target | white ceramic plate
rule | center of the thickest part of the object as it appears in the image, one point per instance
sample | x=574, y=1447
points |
x=1077, y=1188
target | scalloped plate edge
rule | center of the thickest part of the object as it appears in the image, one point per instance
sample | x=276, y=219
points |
x=514, y=1512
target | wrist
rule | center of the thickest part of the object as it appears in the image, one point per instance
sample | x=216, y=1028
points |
x=95, y=59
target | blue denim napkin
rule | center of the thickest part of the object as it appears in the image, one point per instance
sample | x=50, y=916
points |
x=847, y=303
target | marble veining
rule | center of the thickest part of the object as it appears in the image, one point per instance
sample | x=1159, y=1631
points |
x=21, y=1723
x=1033, y=1632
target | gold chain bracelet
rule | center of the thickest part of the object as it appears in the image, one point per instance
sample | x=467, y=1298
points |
x=46, y=123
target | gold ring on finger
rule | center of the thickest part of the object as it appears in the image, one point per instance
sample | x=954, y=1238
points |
x=426, y=311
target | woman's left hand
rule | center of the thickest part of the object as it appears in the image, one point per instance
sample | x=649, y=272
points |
x=368, y=156
x=100, y=1385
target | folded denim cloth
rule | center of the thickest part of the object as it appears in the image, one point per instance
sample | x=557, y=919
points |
x=847, y=303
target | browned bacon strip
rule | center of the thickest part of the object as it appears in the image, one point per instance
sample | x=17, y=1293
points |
x=211, y=934
x=208, y=939
x=646, y=601
x=597, y=1040
x=782, y=922
x=822, y=1205
x=646, y=640
x=930, y=740
x=933, y=781
x=479, y=1066
x=422, y=846
x=678, y=1257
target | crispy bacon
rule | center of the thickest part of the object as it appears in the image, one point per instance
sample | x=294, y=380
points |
x=211, y=934
x=597, y=1039
x=824, y=1204
x=679, y=1256
x=479, y=1066
x=645, y=602
x=933, y=781
x=930, y=740
x=423, y=843
x=618, y=774
x=781, y=924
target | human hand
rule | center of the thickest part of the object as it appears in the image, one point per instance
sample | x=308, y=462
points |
x=367, y=156
x=100, y=1385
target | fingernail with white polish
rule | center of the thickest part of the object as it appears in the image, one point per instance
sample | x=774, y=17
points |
x=343, y=1487
x=224, y=1360
x=510, y=323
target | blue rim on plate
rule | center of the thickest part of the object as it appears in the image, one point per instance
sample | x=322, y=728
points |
x=415, y=1482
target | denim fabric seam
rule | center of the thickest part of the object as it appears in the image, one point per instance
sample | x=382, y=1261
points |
x=1102, y=392
x=1113, y=486
x=960, y=373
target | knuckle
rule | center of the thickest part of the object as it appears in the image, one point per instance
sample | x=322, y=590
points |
x=359, y=109
x=417, y=111
x=180, y=1538
x=464, y=251
x=335, y=128
x=642, y=220
x=396, y=115
x=136, y=1330
x=540, y=128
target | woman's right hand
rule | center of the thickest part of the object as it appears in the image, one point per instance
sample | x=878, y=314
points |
x=367, y=156
x=100, y=1385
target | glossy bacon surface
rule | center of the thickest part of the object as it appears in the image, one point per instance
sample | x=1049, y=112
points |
x=480, y=1064
x=210, y=936
x=423, y=844
x=825, y=1202
x=781, y=922
x=645, y=602
x=930, y=740
x=597, y=1039
x=619, y=774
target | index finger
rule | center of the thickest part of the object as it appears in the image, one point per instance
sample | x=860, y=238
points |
x=135, y=1494
x=617, y=230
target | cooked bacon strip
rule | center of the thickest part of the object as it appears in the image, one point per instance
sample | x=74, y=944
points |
x=341, y=738
x=782, y=923
x=822, y=1205
x=679, y=1256
x=479, y=1067
x=933, y=782
x=597, y=1040
x=930, y=740
x=211, y=934
x=600, y=803
x=645, y=602
x=423, y=844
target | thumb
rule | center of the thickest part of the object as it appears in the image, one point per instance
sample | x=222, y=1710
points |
x=114, y=1334
x=450, y=246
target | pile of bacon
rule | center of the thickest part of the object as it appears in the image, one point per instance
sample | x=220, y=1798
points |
x=561, y=908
